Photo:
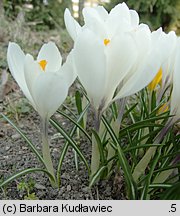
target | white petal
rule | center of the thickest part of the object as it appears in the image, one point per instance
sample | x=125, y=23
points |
x=90, y=63
x=175, y=97
x=49, y=91
x=51, y=54
x=31, y=71
x=121, y=56
x=168, y=50
x=119, y=20
x=72, y=25
x=166, y=43
x=120, y=11
x=16, y=59
x=143, y=75
x=134, y=18
x=102, y=12
x=68, y=69
x=95, y=22
x=146, y=67
x=142, y=40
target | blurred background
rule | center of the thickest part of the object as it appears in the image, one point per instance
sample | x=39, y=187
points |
x=32, y=22
x=48, y=14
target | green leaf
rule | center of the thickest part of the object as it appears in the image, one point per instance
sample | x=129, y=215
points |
x=75, y=123
x=31, y=196
x=172, y=193
x=78, y=102
x=167, y=168
x=148, y=180
x=132, y=189
x=79, y=105
x=142, y=124
x=156, y=186
x=129, y=111
x=141, y=146
x=24, y=172
x=69, y=110
x=142, y=165
x=96, y=176
x=100, y=147
x=153, y=100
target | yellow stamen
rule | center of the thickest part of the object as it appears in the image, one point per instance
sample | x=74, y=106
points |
x=43, y=64
x=157, y=80
x=163, y=108
x=106, y=41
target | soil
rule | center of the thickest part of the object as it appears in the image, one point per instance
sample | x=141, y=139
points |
x=15, y=156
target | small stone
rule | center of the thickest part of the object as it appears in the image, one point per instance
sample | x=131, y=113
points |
x=15, y=136
x=85, y=189
x=24, y=147
x=74, y=182
x=65, y=176
x=39, y=186
x=61, y=191
x=7, y=148
x=56, y=136
x=108, y=190
x=21, y=126
x=69, y=188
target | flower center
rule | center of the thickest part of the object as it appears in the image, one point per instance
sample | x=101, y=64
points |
x=106, y=41
x=43, y=64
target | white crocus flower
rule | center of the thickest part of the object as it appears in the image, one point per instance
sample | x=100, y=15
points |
x=175, y=96
x=45, y=82
x=112, y=53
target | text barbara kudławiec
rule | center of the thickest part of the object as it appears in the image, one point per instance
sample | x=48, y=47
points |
x=65, y=208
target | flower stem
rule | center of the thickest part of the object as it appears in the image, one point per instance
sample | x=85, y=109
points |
x=46, y=149
x=115, y=124
x=95, y=158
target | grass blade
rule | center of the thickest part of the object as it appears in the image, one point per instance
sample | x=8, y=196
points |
x=96, y=176
x=75, y=123
x=24, y=172
x=147, y=183
x=123, y=162
x=30, y=144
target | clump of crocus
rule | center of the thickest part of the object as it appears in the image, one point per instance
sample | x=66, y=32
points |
x=114, y=55
x=45, y=83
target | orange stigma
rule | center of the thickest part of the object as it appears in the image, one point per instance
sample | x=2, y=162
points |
x=106, y=41
x=43, y=64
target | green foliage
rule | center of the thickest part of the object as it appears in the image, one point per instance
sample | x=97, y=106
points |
x=18, y=108
x=37, y=13
x=155, y=13
x=26, y=187
x=172, y=193
x=145, y=148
